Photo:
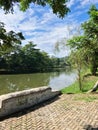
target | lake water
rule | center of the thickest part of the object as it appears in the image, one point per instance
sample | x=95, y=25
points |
x=56, y=80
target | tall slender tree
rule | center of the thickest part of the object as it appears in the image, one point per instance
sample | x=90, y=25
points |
x=90, y=28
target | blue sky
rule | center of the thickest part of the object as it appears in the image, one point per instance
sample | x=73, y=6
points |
x=40, y=25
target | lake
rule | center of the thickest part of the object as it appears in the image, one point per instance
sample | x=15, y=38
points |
x=17, y=82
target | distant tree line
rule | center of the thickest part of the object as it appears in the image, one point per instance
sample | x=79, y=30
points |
x=28, y=59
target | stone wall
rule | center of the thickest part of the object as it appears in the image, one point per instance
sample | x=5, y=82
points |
x=14, y=102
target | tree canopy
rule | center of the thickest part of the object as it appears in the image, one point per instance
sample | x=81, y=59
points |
x=59, y=7
x=9, y=39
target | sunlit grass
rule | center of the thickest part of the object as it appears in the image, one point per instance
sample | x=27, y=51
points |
x=87, y=98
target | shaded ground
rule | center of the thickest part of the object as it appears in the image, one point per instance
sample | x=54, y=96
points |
x=68, y=112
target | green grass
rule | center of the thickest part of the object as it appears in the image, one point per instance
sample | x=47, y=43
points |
x=87, y=98
x=87, y=84
x=71, y=89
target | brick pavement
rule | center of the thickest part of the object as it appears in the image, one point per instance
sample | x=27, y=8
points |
x=67, y=112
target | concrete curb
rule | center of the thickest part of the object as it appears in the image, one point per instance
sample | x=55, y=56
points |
x=14, y=102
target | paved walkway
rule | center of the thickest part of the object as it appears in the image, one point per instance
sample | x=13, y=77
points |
x=67, y=112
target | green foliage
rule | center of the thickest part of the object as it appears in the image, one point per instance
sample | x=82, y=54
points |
x=59, y=7
x=87, y=44
x=91, y=33
x=93, y=12
x=93, y=68
x=77, y=57
x=9, y=39
x=76, y=42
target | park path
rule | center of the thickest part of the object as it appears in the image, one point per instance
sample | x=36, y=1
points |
x=66, y=112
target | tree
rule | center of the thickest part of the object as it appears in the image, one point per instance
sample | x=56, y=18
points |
x=8, y=42
x=59, y=7
x=78, y=57
x=9, y=39
x=89, y=40
x=91, y=37
x=35, y=60
x=85, y=47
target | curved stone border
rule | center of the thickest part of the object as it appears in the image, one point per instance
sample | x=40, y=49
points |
x=14, y=102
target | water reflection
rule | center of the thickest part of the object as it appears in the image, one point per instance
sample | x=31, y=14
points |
x=56, y=80
x=62, y=80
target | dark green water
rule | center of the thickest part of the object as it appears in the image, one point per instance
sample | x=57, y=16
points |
x=56, y=80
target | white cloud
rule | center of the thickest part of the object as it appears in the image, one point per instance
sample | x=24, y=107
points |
x=46, y=41
x=87, y=2
x=48, y=16
x=12, y=20
x=28, y=24
x=70, y=3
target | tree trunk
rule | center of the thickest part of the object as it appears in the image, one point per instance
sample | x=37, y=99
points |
x=79, y=78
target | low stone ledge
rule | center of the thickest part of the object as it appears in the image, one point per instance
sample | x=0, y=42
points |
x=14, y=102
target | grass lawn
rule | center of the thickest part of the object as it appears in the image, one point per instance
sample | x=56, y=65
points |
x=87, y=84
